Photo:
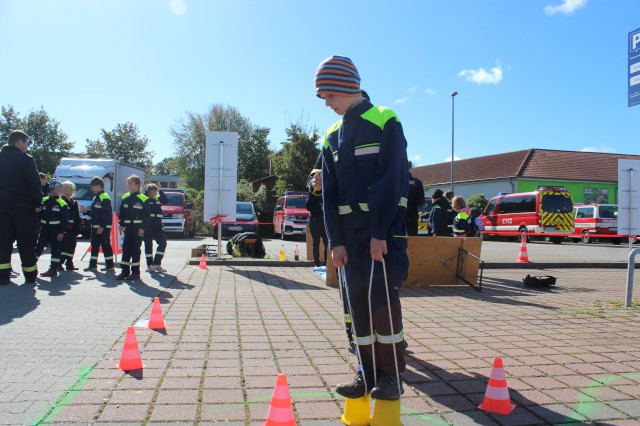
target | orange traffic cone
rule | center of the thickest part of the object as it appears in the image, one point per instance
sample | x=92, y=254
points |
x=280, y=410
x=130, y=359
x=156, y=322
x=203, y=263
x=524, y=256
x=496, y=398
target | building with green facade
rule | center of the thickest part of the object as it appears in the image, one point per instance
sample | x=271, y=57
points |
x=590, y=176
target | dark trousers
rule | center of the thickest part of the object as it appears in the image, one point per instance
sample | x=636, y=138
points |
x=358, y=272
x=130, y=261
x=412, y=227
x=102, y=241
x=21, y=226
x=69, y=243
x=154, y=233
x=318, y=231
x=48, y=235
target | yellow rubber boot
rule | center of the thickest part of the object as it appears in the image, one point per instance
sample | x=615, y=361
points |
x=357, y=411
x=386, y=413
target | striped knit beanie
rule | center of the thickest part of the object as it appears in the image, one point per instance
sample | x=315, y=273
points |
x=338, y=76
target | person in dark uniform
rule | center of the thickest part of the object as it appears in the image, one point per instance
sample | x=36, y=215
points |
x=316, y=222
x=414, y=200
x=154, y=231
x=101, y=220
x=20, y=198
x=73, y=226
x=44, y=185
x=365, y=184
x=440, y=224
x=132, y=217
x=54, y=217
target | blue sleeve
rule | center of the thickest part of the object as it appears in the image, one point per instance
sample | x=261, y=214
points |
x=390, y=180
x=163, y=197
x=121, y=215
x=330, y=199
x=435, y=219
x=106, y=213
x=64, y=219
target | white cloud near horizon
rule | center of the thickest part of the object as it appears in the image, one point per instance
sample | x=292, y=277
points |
x=416, y=160
x=412, y=89
x=402, y=100
x=455, y=158
x=430, y=92
x=178, y=7
x=482, y=76
x=601, y=148
x=567, y=7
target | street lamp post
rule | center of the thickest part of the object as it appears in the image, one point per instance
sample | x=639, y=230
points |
x=453, y=95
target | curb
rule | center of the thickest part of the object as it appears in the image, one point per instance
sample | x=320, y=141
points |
x=253, y=262
x=556, y=265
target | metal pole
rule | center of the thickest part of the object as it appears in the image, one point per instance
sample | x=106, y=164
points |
x=631, y=208
x=630, y=269
x=453, y=97
x=220, y=202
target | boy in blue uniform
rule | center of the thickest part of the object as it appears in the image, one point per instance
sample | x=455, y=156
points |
x=132, y=222
x=54, y=216
x=365, y=185
x=101, y=211
x=73, y=226
x=153, y=231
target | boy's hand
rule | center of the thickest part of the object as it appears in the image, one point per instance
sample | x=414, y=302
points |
x=37, y=209
x=339, y=256
x=100, y=231
x=141, y=232
x=378, y=249
x=83, y=209
x=59, y=237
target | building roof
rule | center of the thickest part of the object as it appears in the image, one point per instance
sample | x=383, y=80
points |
x=544, y=164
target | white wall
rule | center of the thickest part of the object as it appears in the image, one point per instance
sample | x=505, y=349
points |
x=488, y=188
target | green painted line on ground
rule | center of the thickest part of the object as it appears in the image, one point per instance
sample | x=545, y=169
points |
x=65, y=399
x=583, y=409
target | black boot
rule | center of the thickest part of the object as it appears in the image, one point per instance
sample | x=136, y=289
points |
x=71, y=267
x=91, y=268
x=122, y=276
x=108, y=267
x=356, y=389
x=387, y=388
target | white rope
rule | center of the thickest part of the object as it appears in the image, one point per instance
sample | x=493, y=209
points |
x=395, y=356
x=346, y=338
x=373, y=344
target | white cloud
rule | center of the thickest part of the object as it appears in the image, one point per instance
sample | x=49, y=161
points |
x=402, y=100
x=430, y=92
x=601, y=148
x=567, y=7
x=482, y=76
x=416, y=160
x=412, y=89
x=455, y=158
x=178, y=7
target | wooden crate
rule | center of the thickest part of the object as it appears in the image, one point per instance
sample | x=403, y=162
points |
x=434, y=261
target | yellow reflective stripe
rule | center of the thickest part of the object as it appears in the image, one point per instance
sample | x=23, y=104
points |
x=51, y=222
x=135, y=264
x=347, y=318
x=160, y=252
x=5, y=266
x=379, y=116
x=94, y=257
x=363, y=340
x=331, y=129
x=394, y=338
x=55, y=259
x=400, y=236
x=367, y=150
x=364, y=207
x=137, y=221
x=30, y=268
x=122, y=262
x=344, y=209
x=403, y=202
x=108, y=258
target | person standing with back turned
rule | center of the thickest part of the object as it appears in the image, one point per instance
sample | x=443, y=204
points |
x=365, y=183
x=20, y=198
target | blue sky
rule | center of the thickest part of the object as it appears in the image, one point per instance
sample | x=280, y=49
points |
x=530, y=74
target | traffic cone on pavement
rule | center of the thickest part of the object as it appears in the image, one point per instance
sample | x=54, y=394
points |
x=130, y=359
x=496, y=398
x=524, y=256
x=156, y=321
x=280, y=409
x=357, y=411
x=203, y=263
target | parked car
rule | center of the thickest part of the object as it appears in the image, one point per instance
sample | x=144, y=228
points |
x=246, y=221
x=291, y=215
x=178, y=214
x=600, y=219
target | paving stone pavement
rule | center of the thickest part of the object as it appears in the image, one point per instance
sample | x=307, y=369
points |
x=571, y=354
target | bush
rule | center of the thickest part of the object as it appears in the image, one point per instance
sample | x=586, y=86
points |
x=477, y=203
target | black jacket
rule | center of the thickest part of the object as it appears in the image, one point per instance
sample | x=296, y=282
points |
x=314, y=205
x=54, y=214
x=101, y=210
x=73, y=225
x=133, y=211
x=439, y=219
x=19, y=180
x=414, y=200
x=154, y=211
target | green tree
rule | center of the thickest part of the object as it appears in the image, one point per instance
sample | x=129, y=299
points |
x=477, y=203
x=189, y=134
x=166, y=167
x=297, y=158
x=123, y=143
x=258, y=197
x=48, y=142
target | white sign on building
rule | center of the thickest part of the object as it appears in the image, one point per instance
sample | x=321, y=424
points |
x=629, y=197
x=221, y=175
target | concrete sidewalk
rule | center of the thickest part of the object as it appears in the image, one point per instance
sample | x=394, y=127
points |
x=571, y=354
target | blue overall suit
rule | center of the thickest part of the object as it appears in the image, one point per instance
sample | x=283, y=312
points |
x=365, y=186
x=54, y=217
x=132, y=217
x=101, y=211
x=154, y=231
